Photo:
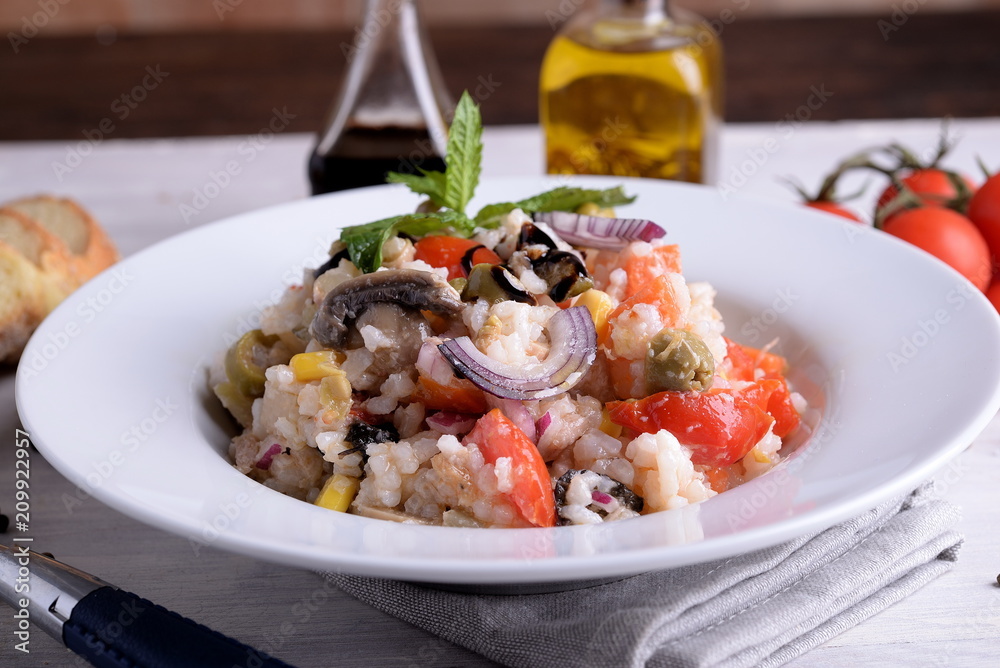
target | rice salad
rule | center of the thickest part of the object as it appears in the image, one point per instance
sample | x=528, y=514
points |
x=551, y=367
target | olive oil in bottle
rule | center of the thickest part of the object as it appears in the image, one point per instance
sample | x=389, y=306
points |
x=633, y=90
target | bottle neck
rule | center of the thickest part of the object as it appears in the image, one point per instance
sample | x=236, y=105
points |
x=648, y=11
x=392, y=78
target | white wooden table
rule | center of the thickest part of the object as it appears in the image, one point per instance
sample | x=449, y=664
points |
x=139, y=190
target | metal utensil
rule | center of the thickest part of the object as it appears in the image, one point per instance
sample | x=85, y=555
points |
x=109, y=626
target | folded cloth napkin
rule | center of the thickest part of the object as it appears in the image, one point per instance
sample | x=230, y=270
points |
x=758, y=609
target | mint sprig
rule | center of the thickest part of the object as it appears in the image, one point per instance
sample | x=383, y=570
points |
x=563, y=198
x=364, y=242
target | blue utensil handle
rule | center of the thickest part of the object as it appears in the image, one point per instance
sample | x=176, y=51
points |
x=112, y=628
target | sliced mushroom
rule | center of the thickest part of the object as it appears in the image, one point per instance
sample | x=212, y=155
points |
x=409, y=288
x=388, y=514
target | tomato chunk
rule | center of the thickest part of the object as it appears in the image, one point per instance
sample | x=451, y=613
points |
x=643, y=269
x=447, y=252
x=532, y=494
x=744, y=360
x=460, y=396
x=720, y=427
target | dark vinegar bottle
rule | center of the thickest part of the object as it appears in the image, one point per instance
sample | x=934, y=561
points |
x=390, y=114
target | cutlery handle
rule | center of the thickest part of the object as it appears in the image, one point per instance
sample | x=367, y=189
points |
x=112, y=628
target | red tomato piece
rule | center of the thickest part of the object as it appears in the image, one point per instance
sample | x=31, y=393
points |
x=720, y=427
x=984, y=212
x=744, y=360
x=643, y=269
x=448, y=252
x=460, y=396
x=496, y=436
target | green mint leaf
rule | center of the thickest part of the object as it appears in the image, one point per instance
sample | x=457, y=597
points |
x=428, y=183
x=364, y=242
x=563, y=198
x=465, y=153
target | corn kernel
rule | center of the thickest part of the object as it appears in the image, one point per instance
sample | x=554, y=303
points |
x=760, y=457
x=335, y=396
x=338, y=492
x=316, y=365
x=609, y=427
x=600, y=304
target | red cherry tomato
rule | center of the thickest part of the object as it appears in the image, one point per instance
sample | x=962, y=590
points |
x=720, y=427
x=984, y=211
x=835, y=209
x=496, y=436
x=444, y=251
x=993, y=294
x=932, y=187
x=947, y=235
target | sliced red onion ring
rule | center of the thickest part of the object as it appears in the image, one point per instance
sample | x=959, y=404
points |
x=451, y=423
x=543, y=424
x=573, y=349
x=516, y=413
x=264, y=462
x=599, y=232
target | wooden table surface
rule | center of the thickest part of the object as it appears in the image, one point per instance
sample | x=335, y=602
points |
x=933, y=65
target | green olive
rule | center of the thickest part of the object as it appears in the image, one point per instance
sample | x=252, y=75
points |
x=243, y=362
x=494, y=284
x=680, y=361
x=458, y=283
x=236, y=403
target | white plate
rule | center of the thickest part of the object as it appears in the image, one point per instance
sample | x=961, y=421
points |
x=897, y=350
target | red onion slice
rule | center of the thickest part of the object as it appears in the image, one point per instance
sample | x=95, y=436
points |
x=451, y=423
x=264, y=462
x=600, y=232
x=573, y=349
x=543, y=424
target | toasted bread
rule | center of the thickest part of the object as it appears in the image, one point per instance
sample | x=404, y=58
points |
x=91, y=250
x=48, y=248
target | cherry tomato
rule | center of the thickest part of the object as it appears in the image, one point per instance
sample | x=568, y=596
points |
x=984, y=211
x=931, y=185
x=947, y=235
x=720, y=427
x=445, y=251
x=993, y=293
x=496, y=436
x=835, y=209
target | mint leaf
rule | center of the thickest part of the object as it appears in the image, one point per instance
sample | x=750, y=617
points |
x=428, y=183
x=563, y=198
x=465, y=153
x=364, y=242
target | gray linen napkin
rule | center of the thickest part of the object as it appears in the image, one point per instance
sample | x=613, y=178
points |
x=763, y=608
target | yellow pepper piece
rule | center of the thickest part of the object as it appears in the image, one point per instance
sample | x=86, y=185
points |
x=609, y=427
x=338, y=492
x=316, y=365
x=600, y=304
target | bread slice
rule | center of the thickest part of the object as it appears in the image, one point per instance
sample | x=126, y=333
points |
x=91, y=250
x=48, y=248
x=28, y=294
